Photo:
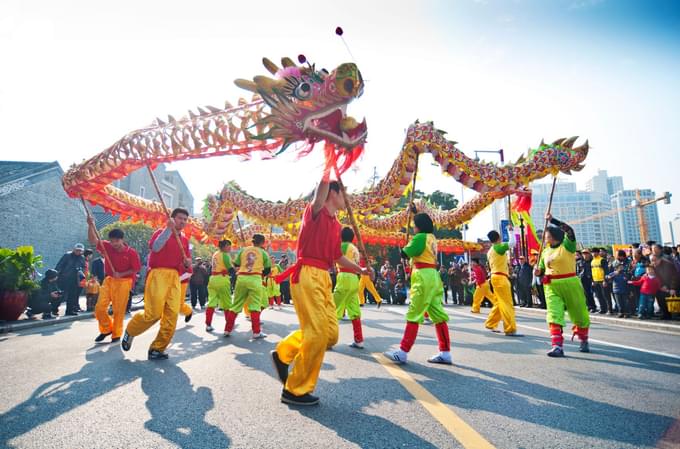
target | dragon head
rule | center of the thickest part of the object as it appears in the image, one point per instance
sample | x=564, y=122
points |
x=309, y=105
x=565, y=157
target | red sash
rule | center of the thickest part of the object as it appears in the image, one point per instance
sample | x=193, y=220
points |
x=549, y=277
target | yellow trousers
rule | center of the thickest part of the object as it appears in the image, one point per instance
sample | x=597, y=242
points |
x=481, y=292
x=503, y=308
x=161, y=302
x=305, y=348
x=114, y=292
x=184, y=308
x=365, y=283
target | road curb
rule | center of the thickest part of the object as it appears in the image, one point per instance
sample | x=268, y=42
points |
x=16, y=326
x=623, y=322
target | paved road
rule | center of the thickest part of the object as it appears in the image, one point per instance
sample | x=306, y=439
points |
x=59, y=390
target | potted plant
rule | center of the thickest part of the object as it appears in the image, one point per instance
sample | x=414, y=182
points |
x=17, y=273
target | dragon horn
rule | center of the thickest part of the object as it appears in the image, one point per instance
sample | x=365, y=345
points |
x=246, y=84
x=569, y=142
x=583, y=148
x=287, y=62
x=558, y=142
x=273, y=68
x=266, y=84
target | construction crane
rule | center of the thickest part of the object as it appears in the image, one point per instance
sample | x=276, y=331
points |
x=637, y=203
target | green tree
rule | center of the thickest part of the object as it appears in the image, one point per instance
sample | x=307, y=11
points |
x=202, y=250
x=442, y=199
x=137, y=235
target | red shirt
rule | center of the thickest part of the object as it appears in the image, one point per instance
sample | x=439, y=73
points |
x=319, y=237
x=170, y=256
x=648, y=286
x=480, y=274
x=125, y=259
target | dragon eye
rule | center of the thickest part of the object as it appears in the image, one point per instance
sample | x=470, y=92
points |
x=303, y=91
x=348, y=85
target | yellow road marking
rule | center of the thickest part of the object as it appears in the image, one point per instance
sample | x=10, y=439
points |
x=461, y=431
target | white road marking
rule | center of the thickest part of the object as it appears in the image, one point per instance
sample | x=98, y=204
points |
x=601, y=342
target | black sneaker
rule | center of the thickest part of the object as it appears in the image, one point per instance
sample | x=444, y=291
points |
x=115, y=340
x=101, y=337
x=188, y=317
x=306, y=399
x=71, y=314
x=48, y=316
x=157, y=355
x=280, y=367
x=126, y=344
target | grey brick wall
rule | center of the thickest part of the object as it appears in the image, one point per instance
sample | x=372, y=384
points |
x=42, y=215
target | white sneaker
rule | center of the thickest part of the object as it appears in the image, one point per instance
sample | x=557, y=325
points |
x=356, y=344
x=259, y=336
x=271, y=307
x=209, y=329
x=397, y=356
x=443, y=358
x=226, y=334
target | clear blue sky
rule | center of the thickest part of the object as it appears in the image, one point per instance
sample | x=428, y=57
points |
x=495, y=74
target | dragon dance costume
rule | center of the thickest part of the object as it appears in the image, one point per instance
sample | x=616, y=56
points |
x=253, y=263
x=427, y=292
x=219, y=286
x=162, y=291
x=503, y=308
x=563, y=289
x=346, y=293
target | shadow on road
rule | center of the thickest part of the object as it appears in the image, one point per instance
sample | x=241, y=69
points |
x=177, y=409
x=542, y=405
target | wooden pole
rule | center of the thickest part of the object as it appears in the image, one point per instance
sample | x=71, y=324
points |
x=240, y=229
x=545, y=226
x=410, y=202
x=353, y=223
x=165, y=208
x=105, y=253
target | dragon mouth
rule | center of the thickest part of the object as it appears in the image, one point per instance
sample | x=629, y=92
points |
x=336, y=126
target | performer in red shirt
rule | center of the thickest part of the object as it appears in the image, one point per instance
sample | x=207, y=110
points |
x=162, y=289
x=318, y=249
x=115, y=289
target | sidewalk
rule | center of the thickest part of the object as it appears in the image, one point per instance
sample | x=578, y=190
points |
x=671, y=326
x=24, y=323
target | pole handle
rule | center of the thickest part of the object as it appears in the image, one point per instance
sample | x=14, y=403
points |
x=167, y=212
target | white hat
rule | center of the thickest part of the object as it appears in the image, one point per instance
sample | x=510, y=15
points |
x=79, y=246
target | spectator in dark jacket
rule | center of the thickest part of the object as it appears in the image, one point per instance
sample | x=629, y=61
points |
x=619, y=282
x=198, y=283
x=584, y=272
x=43, y=300
x=524, y=277
x=97, y=269
x=71, y=269
x=670, y=281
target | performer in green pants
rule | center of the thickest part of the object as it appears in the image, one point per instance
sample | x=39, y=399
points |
x=563, y=290
x=346, y=293
x=219, y=285
x=427, y=293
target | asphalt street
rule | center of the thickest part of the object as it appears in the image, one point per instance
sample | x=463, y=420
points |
x=60, y=390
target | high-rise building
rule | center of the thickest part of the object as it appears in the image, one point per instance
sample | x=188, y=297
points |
x=628, y=225
x=571, y=206
x=604, y=183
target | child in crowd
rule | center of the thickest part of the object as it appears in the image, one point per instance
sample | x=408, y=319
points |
x=619, y=281
x=91, y=293
x=649, y=286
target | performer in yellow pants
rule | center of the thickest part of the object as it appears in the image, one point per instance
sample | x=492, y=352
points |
x=184, y=309
x=365, y=283
x=115, y=290
x=483, y=287
x=503, y=308
x=318, y=248
x=162, y=290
